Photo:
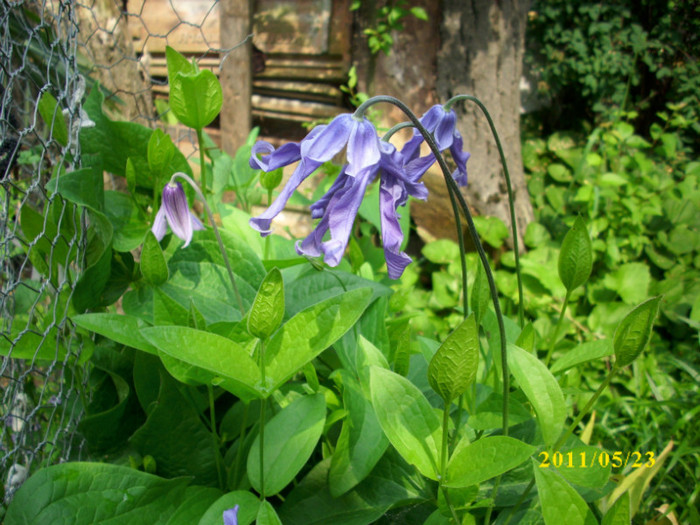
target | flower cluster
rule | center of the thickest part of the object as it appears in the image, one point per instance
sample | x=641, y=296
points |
x=368, y=159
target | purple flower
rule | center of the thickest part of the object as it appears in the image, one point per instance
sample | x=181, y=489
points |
x=443, y=125
x=320, y=146
x=175, y=210
x=368, y=159
x=231, y=516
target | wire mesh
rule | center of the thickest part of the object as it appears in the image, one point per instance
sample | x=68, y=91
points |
x=41, y=240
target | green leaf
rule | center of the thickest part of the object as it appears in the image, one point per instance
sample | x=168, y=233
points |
x=492, y=230
x=219, y=355
x=541, y=389
x=633, y=333
x=310, y=332
x=631, y=281
x=153, y=266
x=76, y=493
x=453, y=367
x=175, y=435
x=576, y=256
x=580, y=466
x=32, y=345
x=195, y=99
x=583, y=353
x=559, y=172
x=267, y=311
x=129, y=228
x=177, y=63
x=442, y=251
x=53, y=117
x=267, y=515
x=361, y=443
x=485, y=459
x=419, y=13
x=480, y=294
x=290, y=438
x=407, y=419
x=160, y=153
x=619, y=513
x=124, y=329
x=560, y=502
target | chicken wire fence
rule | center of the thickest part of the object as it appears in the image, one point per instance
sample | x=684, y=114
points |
x=52, y=53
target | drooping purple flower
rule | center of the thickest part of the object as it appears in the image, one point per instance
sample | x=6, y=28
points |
x=320, y=146
x=175, y=211
x=231, y=516
x=443, y=125
x=338, y=208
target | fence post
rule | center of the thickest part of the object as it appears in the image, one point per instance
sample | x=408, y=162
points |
x=236, y=74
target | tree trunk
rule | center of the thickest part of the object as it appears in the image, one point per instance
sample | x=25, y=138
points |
x=481, y=54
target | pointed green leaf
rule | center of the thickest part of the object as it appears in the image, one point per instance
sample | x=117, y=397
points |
x=560, y=502
x=124, y=329
x=310, y=332
x=247, y=508
x=361, y=443
x=267, y=311
x=407, y=419
x=267, y=515
x=212, y=352
x=160, y=153
x=53, y=117
x=633, y=333
x=453, y=367
x=78, y=493
x=619, y=513
x=576, y=256
x=195, y=99
x=177, y=63
x=153, y=266
x=290, y=438
x=541, y=389
x=485, y=459
x=480, y=294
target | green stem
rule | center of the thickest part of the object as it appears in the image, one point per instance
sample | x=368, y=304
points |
x=557, y=328
x=202, y=165
x=267, y=239
x=443, y=458
x=215, y=438
x=263, y=402
x=210, y=216
x=511, y=197
x=429, y=139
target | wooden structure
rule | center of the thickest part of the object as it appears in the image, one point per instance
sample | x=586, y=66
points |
x=306, y=47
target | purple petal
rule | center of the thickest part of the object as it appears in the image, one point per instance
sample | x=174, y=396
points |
x=160, y=226
x=390, y=192
x=177, y=211
x=460, y=157
x=363, y=147
x=330, y=140
x=341, y=212
x=311, y=246
x=445, y=129
x=231, y=516
x=411, y=149
x=273, y=158
x=263, y=221
x=196, y=223
x=318, y=208
x=432, y=117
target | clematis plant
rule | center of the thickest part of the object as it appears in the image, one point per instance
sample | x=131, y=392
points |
x=231, y=516
x=368, y=158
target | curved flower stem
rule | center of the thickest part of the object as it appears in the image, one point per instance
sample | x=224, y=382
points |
x=202, y=165
x=511, y=197
x=472, y=231
x=458, y=223
x=210, y=216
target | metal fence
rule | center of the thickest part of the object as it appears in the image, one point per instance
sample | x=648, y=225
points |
x=51, y=54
